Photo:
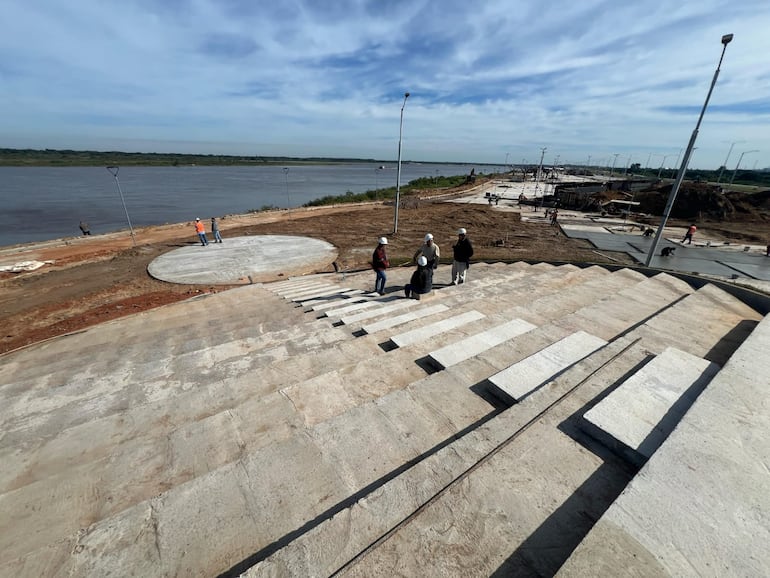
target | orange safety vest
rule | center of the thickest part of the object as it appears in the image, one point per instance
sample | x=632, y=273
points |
x=199, y=228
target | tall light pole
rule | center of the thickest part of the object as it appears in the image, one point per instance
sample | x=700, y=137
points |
x=628, y=162
x=663, y=162
x=505, y=166
x=286, y=176
x=114, y=172
x=539, y=168
x=398, y=170
x=647, y=166
x=686, y=159
x=376, y=182
x=724, y=164
x=679, y=154
x=739, y=163
x=613, y=164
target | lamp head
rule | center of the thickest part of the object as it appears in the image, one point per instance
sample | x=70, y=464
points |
x=726, y=39
x=406, y=94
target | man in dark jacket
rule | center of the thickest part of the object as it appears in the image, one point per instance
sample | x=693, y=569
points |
x=463, y=251
x=379, y=264
x=422, y=279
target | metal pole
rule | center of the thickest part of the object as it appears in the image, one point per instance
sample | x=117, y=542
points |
x=739, y=164
x=114, y=172
x=679, y=154
x=686, y=159
x=724, y=164
x=539, y=168
x=613, y=164
x=286, y=175
x=398, y=170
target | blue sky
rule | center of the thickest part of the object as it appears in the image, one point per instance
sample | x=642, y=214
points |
x=489, y=80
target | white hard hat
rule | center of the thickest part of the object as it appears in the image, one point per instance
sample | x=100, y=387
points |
x=461, y=231
x=198, y=219
x=422, y=260
x=383, y=241
x=428, y=237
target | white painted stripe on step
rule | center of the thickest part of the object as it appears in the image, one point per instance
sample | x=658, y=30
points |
x=331, y=300
x=522, y=378
x=314, y=295
x=405, y=318
x=309, y=290
x=475, y=344
x=384, y=310
x=338, y=312
x=429, y=331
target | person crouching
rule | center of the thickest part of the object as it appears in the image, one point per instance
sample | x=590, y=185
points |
x=422, y=279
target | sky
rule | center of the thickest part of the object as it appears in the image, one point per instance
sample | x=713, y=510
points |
x=591, y=82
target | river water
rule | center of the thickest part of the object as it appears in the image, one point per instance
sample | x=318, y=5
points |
x=43, y=203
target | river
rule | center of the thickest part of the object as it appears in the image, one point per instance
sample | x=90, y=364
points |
x=43, y=203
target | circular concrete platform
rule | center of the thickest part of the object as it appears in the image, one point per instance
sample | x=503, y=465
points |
x=261, y=257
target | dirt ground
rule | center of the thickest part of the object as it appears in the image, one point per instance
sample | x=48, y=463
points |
x=99, y=278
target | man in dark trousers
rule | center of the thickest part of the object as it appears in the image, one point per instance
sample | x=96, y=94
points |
x=463, y=251
x=422, y=279
x=379, y=264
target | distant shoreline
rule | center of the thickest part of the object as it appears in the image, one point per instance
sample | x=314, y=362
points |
x=72, y=158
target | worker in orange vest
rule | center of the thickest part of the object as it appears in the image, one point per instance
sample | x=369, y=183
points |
x=201, y=230
x=688, y=235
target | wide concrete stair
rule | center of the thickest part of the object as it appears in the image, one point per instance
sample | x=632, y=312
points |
x=309, y=427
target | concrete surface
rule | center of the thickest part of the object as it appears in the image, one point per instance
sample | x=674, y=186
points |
x=238, y=431
x=236, y=259
x=521, y=379
x=701, y=505
x=636, y=417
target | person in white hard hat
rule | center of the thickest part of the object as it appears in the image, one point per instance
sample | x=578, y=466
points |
x=430, y=251
x=463, y=251
x=422, y=279
x=379, y=264
x=201, y=230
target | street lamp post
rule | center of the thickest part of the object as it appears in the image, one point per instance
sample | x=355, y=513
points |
x=114, y=172
x=663, y=162
x=724, y=164
x=286, y=176
x=686, y=159
x=679, y=154
x=613, y=164
x=739, y=163
x=398, y=170
x=539, y=169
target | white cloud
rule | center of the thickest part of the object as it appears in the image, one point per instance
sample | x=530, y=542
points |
x=327, y=78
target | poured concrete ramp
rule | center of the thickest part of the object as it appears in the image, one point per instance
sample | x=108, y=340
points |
x=637, y=416
x=235, y=260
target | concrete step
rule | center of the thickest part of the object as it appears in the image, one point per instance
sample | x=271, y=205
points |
x=700, y=506
x=404, y=318
x=636, y=417
x=519, y=380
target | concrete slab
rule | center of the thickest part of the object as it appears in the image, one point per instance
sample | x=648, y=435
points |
x=428, y=332
x=457, y=352
x=520, y=379
x=232, y=262
x=701, y=504
x=405, y=318
x=717, y=260
x=640, y=414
